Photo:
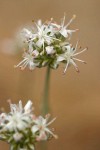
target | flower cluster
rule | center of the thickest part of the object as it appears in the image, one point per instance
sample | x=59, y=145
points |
x=49, y=44
x=22, y=129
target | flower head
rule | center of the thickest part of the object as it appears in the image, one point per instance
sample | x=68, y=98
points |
x=19, y=117
x=22, y=129
x=48, y=44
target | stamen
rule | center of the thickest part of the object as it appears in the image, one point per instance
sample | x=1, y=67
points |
x=80, y=60
x=63, y=21
x=76, y=46
x=54, y=135
x=71, y=20
x=49, y=22
x=15, y=66
x=74, y=64
x=66, y=67
x=24, y=65
x=51, y=122
x=80, y=52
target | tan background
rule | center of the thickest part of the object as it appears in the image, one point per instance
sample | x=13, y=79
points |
x=74, y=98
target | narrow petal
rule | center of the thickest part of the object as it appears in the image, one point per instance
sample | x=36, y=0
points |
x=28, y=107
x=35, y=129
x=60, y=58
x=50, y=132
x=51, y=121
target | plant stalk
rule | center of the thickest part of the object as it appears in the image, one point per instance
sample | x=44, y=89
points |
x=45, y=102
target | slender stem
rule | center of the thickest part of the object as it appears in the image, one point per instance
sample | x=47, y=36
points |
x=45, y=102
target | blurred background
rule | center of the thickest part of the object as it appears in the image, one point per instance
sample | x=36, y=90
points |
x=74, y=98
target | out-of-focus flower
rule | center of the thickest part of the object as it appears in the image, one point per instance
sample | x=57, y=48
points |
x=26, y=34
x=41, y=124
x=22, y=129
x=18, y=118
x=9, y=46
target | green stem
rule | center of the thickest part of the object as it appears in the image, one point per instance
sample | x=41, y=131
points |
x=45, y=102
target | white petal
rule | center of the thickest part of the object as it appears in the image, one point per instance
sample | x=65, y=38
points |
x=40, y=42
x=39, y=23
x=32, y=65
x=28, y=106
x=64, y=32
x=60, y=58
x=39, y=120
x=50, y=50
x=35, y=53
x=35, y=129
x=20, y=105
x=17, y=136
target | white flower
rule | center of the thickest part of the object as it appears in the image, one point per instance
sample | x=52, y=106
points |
x=28, y=60
x=50, y=50
x=16, y=121
x=44, y=34
x=69, y=56
x=19, y=117
x=48, y=44
x=63, y=29
x=27, y=35
x=41, y=125
x=21, y=129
